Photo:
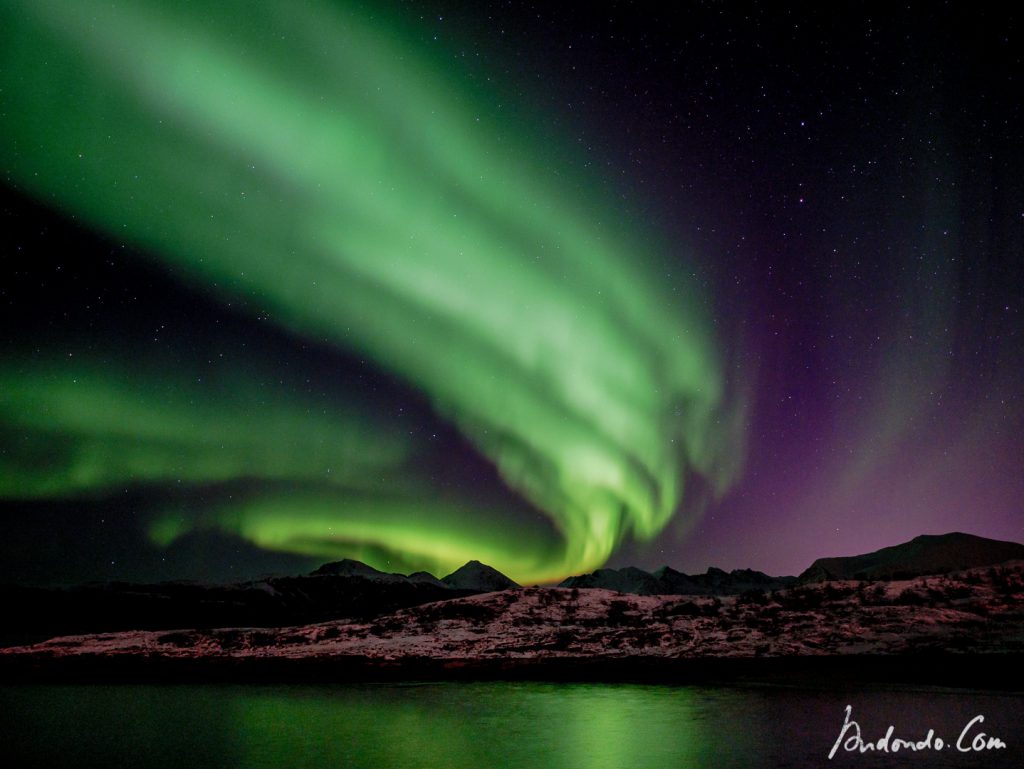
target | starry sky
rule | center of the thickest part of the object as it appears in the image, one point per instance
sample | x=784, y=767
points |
x=552, y=288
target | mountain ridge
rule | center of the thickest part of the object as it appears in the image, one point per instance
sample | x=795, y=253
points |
x=352, y=589
x=668, y=581
x=922, y=555
x=975, y=612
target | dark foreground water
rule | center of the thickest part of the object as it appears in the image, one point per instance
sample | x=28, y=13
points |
x=485, y=725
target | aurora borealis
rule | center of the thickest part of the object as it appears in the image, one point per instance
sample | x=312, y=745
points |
x=372, y=214
x=326, y=286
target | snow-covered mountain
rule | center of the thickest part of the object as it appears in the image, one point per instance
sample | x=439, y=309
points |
x=351, y=568
x=978, y=611
x=475, y=615
x=348, y=567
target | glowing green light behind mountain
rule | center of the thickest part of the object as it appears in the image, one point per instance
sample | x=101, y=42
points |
x=347, y=186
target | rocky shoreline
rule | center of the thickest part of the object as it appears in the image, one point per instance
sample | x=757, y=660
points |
x=1002, y=672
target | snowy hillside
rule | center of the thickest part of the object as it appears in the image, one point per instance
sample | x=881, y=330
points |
x=981, y=610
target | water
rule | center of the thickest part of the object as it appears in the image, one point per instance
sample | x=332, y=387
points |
x=485, y=725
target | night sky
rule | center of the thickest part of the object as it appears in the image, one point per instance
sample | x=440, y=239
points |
x=549, y=287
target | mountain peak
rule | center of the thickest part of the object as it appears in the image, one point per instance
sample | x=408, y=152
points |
x=924, y=554
x=348, y=567
x=668, y=581
x=478, y=576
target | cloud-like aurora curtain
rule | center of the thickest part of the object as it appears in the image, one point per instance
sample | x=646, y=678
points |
x=358, y=192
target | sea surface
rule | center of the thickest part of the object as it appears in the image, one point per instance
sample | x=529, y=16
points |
x=493, y=724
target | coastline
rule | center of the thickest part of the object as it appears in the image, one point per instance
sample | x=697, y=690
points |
x=990, y=671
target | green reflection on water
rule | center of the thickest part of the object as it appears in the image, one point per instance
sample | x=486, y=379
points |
x=387, y=726
x=483, y=725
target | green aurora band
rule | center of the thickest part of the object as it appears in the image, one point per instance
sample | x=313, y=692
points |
x=353, y=192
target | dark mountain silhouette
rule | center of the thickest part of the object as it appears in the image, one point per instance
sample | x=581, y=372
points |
x=944, y=622
x=478, y=577
x=926, y=554
x=344, y=589
x=668, y=581
x=351, y=568
x=627, y=580
x=351, y=590
x=425, y=577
